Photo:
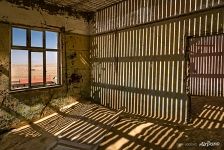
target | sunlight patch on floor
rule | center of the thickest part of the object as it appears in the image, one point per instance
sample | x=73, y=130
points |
x=134, y=132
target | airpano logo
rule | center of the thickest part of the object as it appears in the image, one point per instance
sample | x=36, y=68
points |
x=187, y=145
x=209, y=144
x=201, y=144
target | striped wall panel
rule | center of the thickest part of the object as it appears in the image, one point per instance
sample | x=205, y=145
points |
x=138, y=54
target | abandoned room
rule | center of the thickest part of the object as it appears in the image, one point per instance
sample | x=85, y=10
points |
x=111, y=74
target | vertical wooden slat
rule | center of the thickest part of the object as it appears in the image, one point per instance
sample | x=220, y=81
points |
x=147, y=10
x=150, y=10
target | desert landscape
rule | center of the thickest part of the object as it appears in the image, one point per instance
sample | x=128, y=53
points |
x=21, y=79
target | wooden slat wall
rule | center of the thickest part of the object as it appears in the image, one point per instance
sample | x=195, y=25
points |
x=207, y=66
x=132, y=12
x=142, y=68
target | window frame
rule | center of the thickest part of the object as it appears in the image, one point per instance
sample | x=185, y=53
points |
x=42, y=50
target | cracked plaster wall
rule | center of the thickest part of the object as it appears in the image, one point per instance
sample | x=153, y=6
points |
x=15, y=108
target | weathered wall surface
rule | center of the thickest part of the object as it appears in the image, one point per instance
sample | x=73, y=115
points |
x=17, y=107
x=78, y=66
x=36, y=17
x=138, y=54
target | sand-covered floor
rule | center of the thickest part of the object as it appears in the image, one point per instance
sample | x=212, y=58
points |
x=91, y=124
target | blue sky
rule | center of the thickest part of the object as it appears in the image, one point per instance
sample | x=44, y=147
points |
x=19, y=37
x=36, y=58
x=51, y=40
x=36, y=39
x=21, y=56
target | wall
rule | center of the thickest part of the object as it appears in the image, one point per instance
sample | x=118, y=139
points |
x=36, y=17
x=138, y=54
x=15, y=108
x=78, y=65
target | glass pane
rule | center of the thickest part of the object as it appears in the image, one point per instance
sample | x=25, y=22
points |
x=36, y=68
x=51, y=40
x=36, y=38
x=18, y=37
x=51, y=68
x=19, y=69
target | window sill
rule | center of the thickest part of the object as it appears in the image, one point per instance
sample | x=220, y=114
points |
x=34, y=88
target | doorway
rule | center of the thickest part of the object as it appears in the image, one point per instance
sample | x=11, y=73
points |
x=205, y=71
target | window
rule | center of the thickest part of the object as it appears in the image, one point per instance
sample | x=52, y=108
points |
x=34, y=58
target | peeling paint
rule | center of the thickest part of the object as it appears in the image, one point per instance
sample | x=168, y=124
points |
x=73, y=55
x=52, y=9
x=12, y=14
x=75, y=78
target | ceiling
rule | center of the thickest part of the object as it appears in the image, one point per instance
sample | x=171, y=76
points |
x=84, y=8
x=83, y=5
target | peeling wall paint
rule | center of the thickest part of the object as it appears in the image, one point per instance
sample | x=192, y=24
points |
x=14, y=14
x=77, y=60
x=53, y=8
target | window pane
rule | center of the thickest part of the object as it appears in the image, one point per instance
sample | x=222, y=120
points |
x=18, y=37
x=19, y=69
x=51, y=68
x=36, y=68
x=36, y=38
x=51, y=40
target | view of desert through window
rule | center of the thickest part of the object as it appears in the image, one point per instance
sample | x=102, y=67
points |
x=20, y=79
x=20, y=64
